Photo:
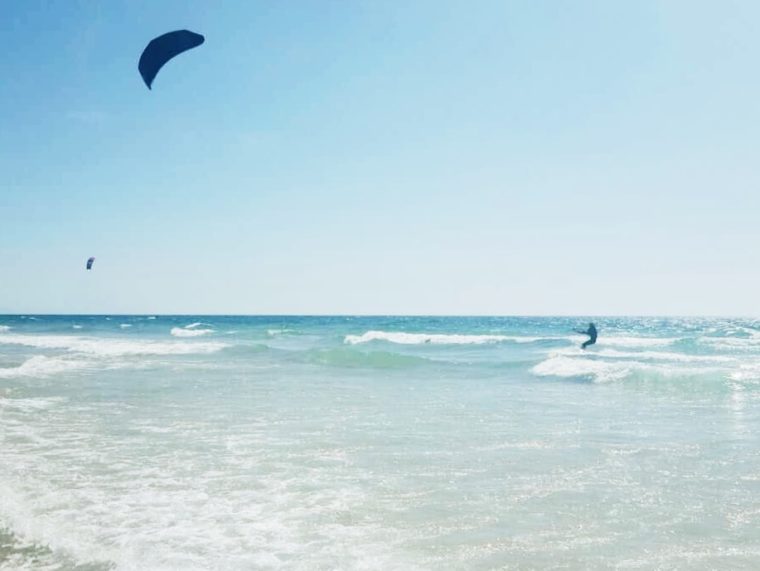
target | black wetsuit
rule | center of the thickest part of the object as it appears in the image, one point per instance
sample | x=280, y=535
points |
x=592, y=336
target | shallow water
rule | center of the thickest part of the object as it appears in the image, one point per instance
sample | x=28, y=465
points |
x=378, y=443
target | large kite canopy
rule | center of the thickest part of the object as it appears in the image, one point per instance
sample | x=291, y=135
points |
x=89, y=262
x=162, y=49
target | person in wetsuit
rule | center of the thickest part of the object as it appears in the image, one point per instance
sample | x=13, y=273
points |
x=591, y=332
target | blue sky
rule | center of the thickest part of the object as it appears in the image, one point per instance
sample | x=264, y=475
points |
x=509, y=157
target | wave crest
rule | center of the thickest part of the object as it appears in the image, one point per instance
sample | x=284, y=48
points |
x=402, y=338
x=182, y=332
x=569, y=367
x=191, y=330
x=111, y=347
x=602, y=371
x=41, y=366
x=636, y=341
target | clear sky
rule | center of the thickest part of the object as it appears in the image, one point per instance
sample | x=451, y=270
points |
x=426, y=157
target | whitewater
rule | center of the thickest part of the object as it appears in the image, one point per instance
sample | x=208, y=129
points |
x=410, y=443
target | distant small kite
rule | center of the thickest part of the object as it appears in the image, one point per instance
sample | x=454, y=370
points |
x=163, y=48
x=90, y=260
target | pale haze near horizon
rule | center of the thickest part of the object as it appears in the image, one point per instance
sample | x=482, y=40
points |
x=379, y=158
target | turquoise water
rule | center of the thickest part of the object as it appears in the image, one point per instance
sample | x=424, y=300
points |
x=378, y=443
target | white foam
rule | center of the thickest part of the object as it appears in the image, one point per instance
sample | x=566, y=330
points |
x=746, y=372
x=4, y=328
x=648, y=355
x=599, y=370
x=636, y=341
x=125, y=325
x=152, y=317
x=110, y=347
x=31, y=404
x=191, y=330
x=403, y=338
x=562, y=366
x=41, y=366
x=76, y=326
x=152, y=513
x=181, y=332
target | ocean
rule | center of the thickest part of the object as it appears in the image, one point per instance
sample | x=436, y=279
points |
x=363, y=443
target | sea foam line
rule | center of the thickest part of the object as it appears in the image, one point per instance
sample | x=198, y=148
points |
x=648, y=355
x=182, y=332
x=191, y=330
x=110, y=347
x=634, y=341
x=41, y=366
x=565, y=366
x=403, y=338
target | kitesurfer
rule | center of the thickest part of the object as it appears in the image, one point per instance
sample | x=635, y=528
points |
x=591, y=332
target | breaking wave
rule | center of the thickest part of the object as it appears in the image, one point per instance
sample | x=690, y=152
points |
x=41, y=366
x=184, y=332
x=191, y=330
x=433, y=338
x=403, y=338
x=606, y=371
x=110, y=347
x=649, y=355
x=633, y=342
